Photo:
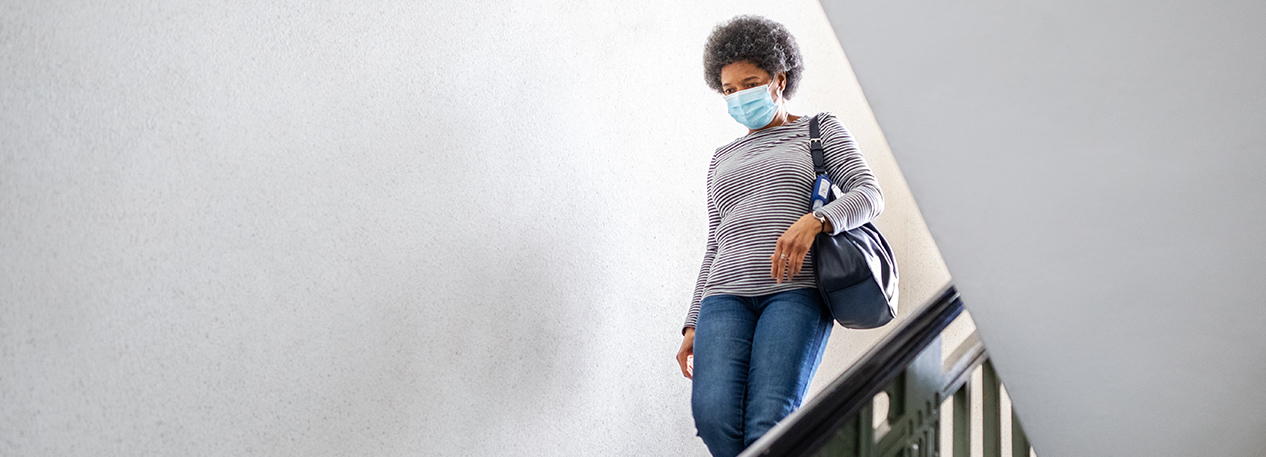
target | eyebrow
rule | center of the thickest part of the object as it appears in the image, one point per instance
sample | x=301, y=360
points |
x=749, y=78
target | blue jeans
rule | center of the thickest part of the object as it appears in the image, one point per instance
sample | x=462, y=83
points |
x=753, y=360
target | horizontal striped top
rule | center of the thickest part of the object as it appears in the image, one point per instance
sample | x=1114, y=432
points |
x=758, y=185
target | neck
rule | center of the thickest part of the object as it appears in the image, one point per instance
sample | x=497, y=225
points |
x=780, y=118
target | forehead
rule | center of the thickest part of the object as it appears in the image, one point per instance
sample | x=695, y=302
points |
x=741, y=71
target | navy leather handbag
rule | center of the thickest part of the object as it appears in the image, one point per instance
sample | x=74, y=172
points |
x=855, y=270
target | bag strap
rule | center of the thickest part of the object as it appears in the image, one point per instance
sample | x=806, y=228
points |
x=815, y=147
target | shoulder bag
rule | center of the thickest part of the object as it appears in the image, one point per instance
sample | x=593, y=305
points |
x=855, y=270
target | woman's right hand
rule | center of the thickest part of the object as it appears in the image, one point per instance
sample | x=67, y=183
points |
x=687, y=350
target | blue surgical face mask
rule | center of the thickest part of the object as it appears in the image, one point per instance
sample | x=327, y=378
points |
x=753, y=107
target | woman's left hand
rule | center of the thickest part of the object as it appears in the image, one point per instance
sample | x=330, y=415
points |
x=794, y=243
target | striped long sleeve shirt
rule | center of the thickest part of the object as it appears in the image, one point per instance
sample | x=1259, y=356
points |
x=758, y=185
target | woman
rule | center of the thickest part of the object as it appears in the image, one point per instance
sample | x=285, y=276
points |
x=757, y=327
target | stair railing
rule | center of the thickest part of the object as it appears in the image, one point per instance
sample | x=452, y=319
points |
x=906, y=367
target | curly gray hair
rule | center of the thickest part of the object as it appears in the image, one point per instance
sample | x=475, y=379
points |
x=763, y=42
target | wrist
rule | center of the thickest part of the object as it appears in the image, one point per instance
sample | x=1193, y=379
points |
x=821, y=221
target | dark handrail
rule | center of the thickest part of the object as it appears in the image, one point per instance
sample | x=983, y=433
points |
x=808, y=428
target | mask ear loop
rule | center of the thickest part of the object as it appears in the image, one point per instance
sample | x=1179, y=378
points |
x=780, y=101
x=780, y=89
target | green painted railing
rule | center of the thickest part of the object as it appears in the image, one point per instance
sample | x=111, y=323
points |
x=906, y=369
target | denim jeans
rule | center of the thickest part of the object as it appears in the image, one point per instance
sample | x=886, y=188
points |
x=753, y=360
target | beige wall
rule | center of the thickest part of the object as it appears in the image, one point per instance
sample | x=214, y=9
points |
x=296, y=229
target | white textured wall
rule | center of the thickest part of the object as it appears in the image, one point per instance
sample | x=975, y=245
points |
x=352, y=228
x=1093, y=174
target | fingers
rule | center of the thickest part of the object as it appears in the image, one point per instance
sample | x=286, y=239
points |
x=683, y=361
x=797, y=261
x=779, y=264
x=687, y=350
x=773, y=261
x=796, y=253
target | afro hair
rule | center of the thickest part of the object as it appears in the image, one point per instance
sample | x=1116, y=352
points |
x=763, y=42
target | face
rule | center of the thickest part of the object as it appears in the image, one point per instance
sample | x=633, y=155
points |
x=746, y=75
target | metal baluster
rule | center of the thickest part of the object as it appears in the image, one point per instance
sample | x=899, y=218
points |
x=991, y=397
x=1019, y=441
x=962, y=421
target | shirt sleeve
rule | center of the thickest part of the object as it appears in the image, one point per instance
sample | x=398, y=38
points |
x=714, y=220
x=860, y=200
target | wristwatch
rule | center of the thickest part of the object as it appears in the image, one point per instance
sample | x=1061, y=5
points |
x=821, y=219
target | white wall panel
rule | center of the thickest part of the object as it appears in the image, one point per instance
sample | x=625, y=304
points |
x=370, y=228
